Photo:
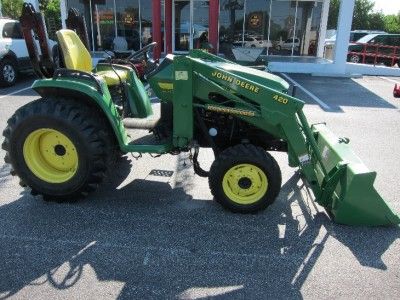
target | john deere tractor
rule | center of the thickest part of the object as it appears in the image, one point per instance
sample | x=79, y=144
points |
x=62, y=144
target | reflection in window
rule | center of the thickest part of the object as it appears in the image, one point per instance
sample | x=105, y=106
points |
x=128, y=26
x=104, y=24
x=146, y=19
x=231, y=25
x=257, y=24
x=281, y=27
x=117, y=24
x=83, y=8
x=182, y=25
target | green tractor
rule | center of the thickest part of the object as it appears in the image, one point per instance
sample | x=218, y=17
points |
x=62, y=144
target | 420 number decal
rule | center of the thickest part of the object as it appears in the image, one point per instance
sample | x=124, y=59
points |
x=280, y=99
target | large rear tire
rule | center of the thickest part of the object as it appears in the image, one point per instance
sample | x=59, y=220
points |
x=245, y=179
x=58, y=148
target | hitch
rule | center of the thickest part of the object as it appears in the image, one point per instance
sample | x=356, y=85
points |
x=33, y=25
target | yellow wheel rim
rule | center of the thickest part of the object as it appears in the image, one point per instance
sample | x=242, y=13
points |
x=50, y=155
x=245, y=184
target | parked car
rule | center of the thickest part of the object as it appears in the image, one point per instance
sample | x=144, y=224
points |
x=384, y=53
x=14, y=57
x=355, y=35
x=287, y=45
x=253, y=42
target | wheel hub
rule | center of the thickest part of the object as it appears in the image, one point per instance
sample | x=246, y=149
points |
x=245, y=183
x=60, y=150
x=50, y=155
x=8, y=73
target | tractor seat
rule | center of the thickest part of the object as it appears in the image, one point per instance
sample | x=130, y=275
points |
x=77, y=57
x=111, y=77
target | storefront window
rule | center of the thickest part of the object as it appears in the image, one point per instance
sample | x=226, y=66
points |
x=146, y=19
x=103, y=24
x=182, y=25
x=83, y=7
x=257, y=24
x=128, y=25
x=281, y=27
x=200, y=23
x=231, y=25
x=117, y=24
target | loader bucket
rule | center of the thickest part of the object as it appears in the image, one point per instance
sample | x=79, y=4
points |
x=347, y=191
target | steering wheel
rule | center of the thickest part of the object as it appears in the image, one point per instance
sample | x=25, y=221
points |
x=144, y=51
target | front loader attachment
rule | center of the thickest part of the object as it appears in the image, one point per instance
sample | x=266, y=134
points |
x=347, y=190
x=340, y=181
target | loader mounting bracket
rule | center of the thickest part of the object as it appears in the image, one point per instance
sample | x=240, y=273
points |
x=329, y=184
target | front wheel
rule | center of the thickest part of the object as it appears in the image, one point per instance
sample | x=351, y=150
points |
x=245, y=179
x=57, y=147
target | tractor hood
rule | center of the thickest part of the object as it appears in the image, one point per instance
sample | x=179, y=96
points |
x=258, y=76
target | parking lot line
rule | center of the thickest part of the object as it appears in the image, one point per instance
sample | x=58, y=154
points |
x=388, y=79
x=315, y=98
x=15, y=92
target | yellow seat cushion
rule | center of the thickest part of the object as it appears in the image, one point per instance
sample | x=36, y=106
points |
x=76, y=56
x=111, y=77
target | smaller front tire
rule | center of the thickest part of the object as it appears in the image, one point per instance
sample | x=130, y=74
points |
x=245, y=179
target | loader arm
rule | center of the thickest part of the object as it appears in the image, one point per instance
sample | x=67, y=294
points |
x=33, y=24
x=339, y=180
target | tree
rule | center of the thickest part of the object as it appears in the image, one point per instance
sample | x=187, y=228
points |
x=333, y=14
x=376, y=21
x=52, y=10
x=362, y=11
x=364, y=16
x=392, y=23
x=12, y=8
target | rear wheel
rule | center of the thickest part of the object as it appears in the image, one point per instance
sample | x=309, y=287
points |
x=8, y=72
x=58, y=148
x=245, y=179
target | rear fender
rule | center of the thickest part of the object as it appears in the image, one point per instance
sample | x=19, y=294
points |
x=86, y=92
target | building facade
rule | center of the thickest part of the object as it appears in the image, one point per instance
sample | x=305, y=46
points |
x=281, y=27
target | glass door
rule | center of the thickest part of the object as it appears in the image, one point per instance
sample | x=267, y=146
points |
x=191, y=24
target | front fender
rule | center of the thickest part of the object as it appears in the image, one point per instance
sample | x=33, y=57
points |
x=85, y=90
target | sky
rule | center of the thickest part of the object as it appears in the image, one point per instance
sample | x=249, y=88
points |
x=388, y=6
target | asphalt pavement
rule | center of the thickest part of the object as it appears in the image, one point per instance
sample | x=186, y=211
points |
x=146, y=236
